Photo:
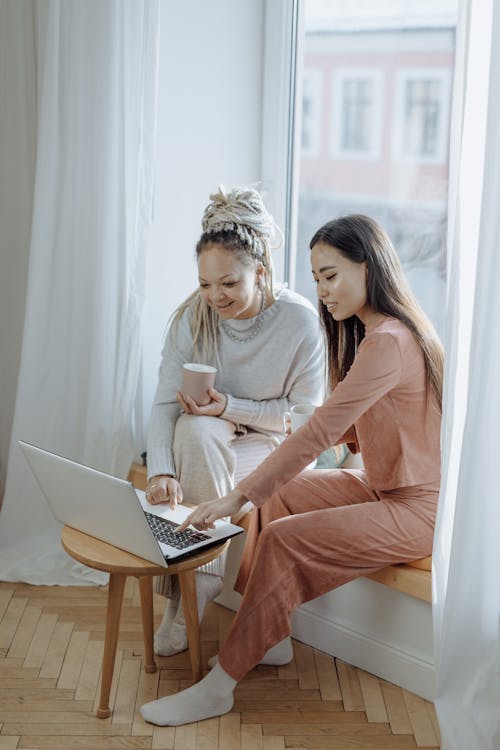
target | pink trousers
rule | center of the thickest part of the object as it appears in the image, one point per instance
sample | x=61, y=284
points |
x=321, y=530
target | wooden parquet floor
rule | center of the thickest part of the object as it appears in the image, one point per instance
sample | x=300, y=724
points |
x=51, y=641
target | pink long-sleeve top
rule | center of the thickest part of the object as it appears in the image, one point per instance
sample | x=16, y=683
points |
x=382, y=406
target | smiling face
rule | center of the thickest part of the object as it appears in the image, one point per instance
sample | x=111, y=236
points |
x=341, y=283
x=227, y=285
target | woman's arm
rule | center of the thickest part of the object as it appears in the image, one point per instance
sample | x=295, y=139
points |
x=375, y=371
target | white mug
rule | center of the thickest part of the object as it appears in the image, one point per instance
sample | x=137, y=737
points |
x=295, y=418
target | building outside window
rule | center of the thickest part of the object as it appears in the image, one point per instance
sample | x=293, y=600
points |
x=377, y=81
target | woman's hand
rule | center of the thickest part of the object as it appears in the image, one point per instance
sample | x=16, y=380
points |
x=207, y=513
x=213, y=409
x=164, y=489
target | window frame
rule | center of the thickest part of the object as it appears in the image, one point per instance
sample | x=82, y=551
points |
x=282, y=124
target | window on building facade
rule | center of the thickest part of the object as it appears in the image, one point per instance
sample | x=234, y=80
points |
x=355, y=115
x=383, y=74
x=423, y=99
x=357, y=103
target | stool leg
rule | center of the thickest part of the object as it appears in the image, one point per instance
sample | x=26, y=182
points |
x=146, y=592
x=115, y=598
x=187, y=582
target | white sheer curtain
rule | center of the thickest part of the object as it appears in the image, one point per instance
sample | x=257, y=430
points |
x=467, y=547
x=96, y=69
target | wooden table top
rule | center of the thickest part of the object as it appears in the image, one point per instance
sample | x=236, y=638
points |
x=103, y=556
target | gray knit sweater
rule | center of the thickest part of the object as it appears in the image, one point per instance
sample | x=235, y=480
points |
x=283, y=365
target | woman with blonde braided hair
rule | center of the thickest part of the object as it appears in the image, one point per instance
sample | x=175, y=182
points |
x=267, y=346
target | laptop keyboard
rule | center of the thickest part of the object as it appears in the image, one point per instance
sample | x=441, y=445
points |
x=164, y=531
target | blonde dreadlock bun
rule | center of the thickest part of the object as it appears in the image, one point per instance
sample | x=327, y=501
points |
x=241, y=211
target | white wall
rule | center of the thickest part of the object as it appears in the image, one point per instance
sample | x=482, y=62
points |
x=209, y=132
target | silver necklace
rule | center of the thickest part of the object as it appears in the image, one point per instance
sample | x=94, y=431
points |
x=247, y=334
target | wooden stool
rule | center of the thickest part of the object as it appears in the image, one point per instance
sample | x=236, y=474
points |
x=120, y=564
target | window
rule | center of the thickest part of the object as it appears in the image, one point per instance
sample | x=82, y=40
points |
x=422, y=102
x=356, y=114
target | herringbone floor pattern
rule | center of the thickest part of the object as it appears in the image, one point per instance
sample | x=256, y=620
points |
x=51, y=642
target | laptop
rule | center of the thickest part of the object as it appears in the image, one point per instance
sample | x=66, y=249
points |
x=112, y=510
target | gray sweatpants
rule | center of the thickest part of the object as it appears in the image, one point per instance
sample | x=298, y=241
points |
x=210, y=459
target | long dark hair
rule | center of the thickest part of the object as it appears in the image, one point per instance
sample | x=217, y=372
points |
x=362, y=240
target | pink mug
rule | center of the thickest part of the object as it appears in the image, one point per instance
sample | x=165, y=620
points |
x=196, y=380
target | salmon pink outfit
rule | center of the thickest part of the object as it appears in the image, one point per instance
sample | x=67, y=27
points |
x=315, y=530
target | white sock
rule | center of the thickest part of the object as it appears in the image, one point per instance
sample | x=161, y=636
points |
x=278, y=655
x=212, y=696
x=171, y=607
x=175, y=639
